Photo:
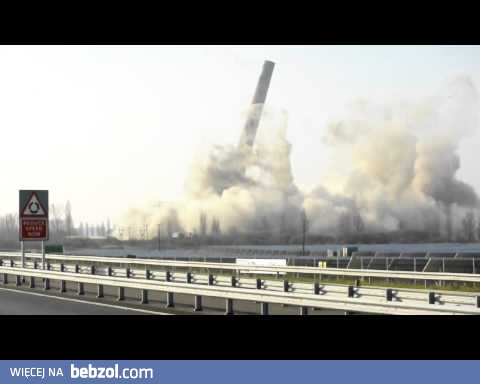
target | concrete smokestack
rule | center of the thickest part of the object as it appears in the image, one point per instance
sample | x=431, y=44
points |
x=250, y=130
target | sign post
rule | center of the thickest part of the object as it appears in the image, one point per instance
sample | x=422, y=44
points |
x=33, y=216
x=23, y=254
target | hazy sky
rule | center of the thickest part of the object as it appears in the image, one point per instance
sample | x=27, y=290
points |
x=107, y=127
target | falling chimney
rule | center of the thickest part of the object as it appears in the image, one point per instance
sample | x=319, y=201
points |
x=250, y=130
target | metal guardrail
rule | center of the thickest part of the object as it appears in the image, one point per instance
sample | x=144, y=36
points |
x=356, y=273
x=304, y=295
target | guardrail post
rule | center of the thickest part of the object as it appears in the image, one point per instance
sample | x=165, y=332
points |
x=189, y=277
x=34, y=264
x=211, y=279
x=351, y=291
x=80, y=290
x=18, y=281
x=389, y=294
x=144, y=296
x=264, y=308
x=109, y=271
x=99, y=291
x=168, y=276
x=77, y=268
x=170, y=302
x=92, y=270
x=386, y=268
x=234, y=281
x=316, y=288
x=286, y=286
x=259, y=283
x=12, y=264
x=5, y=278
x=127, y=272
x=431, y=298
x=147, y=274
x=228, y=307
x=121, y=294
x=62, y=287
x=46, y=284
x=32, y=282
x=303, y=311
x=198, y=303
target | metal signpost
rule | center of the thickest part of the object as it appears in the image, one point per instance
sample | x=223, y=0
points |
x=33, y=214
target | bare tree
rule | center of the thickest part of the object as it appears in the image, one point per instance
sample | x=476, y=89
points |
x=121, y=232
x=203, y=224
x=432, y=226
x=357, y=222
x=265, y=224
x=215, y=227
x=345, y=225
x=56, y=221
x=54, y=218
x=68, y=219
x=109, y=228
x=304, y=229
x=468, y=226
x=10, y=223
x=10, y=227
x=283, y=223
x=233, y=231
x=173, y=224
x=448, y=223
x=478, y=228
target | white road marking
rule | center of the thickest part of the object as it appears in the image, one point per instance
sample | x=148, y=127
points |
x=85, y=302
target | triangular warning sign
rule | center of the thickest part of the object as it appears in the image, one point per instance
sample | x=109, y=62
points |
x=33, y=207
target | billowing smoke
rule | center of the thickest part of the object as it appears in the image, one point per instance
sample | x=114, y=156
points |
x=393, y=167
x=245, y=189
x=396, y=165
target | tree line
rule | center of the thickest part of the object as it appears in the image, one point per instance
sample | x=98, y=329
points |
x=61, y=226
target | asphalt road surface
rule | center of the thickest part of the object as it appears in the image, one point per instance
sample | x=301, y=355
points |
x=20, y=302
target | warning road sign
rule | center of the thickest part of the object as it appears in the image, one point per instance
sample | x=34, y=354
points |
x=34, y=207
x=34, y=229
x=33, y=215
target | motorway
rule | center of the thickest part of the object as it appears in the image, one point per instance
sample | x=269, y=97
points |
x=36, y=301
x=21, y=302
